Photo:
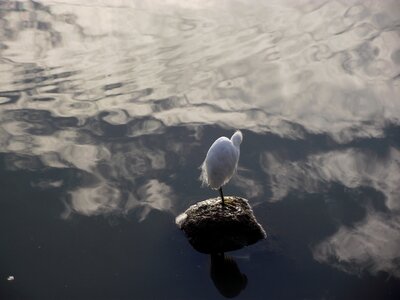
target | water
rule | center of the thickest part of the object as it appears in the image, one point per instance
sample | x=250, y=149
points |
x=107, y=109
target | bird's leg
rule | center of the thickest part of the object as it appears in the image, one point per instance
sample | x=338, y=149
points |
x=222, y=195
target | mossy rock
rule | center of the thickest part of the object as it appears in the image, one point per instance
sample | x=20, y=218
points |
x=215, y=228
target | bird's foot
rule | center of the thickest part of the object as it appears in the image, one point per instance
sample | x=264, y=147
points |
x=228, y=202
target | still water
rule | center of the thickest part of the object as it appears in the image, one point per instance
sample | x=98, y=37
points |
x=107, y=109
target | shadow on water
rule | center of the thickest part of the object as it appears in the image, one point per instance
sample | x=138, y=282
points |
x=226, y=275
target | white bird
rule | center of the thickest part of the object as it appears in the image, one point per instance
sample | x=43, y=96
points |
x=221, y=162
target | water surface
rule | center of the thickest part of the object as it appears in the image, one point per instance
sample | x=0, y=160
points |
x=107, y=109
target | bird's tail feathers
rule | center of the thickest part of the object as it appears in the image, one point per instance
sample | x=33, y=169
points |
x=203, y=176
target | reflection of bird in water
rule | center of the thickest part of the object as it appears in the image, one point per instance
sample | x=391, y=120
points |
x=221, y=162
x=226, y=275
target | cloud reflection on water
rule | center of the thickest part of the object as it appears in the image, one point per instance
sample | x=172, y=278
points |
x=374, y=242
x=124, y=183
x=82, y=95
x=231, y=80
x=373, y=245
x=352, y=168
x=107, y=167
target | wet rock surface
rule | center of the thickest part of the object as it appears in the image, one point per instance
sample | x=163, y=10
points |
x=215, y=228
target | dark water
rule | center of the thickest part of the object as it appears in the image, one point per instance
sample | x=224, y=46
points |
x=107, y=109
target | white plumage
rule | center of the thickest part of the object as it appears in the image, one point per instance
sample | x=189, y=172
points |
x=221, y=161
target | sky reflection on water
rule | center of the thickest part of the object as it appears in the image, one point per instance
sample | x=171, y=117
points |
x=110, y=108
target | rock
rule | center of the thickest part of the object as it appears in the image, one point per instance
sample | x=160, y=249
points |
x=213, y=228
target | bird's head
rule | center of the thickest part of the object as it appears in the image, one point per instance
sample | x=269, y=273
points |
x=237, y=138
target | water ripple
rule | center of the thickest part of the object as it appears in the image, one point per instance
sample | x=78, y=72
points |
x=110, y=101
